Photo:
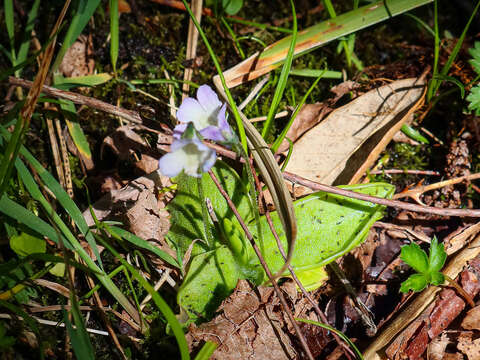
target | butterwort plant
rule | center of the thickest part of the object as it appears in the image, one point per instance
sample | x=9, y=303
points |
x=206, y=118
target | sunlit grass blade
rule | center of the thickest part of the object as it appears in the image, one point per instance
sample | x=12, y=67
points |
x=280, y=138
x=414, y=134
x=114, y=33
x=88, y=80
x=64, y=199
x=317, y=35
x=325, y=74
x=206, y=351
x=282, y=81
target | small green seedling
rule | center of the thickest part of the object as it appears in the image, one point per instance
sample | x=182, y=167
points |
x=427, y=268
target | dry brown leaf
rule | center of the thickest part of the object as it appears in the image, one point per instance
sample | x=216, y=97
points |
x=468, y=346
x=78, y=60
x=250, y=326
x=472, y=319
x=126, y=144
x=137, y=206
x=326, y=152
x=311, y=114
x=308, y=116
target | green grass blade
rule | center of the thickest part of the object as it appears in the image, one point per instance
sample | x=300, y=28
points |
x=88, y=80
x=234, y=37
x=280, y=138
x=339, y=333
x=326, y=74
x=27, y=35
x=282, y=81
x=206, y=351
x=82, y=347
x=258, y=25
x=62, y=197
x=78, y=136
x=289, y=154
x=317, y=35
x=436, y=82
x=29, y=219
x=36, y=194
x=343, y=43
x=114, y=33
x=76, y=132
x=141, y=243
x=161, y=304
x=8, y=8
x=414, y=134
x=422, y=24
x=84, y=12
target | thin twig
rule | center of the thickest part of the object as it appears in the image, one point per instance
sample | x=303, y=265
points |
x=376, y=200
x=249, y=236
x=131, y=116
x=400, y=171
x=416, y=192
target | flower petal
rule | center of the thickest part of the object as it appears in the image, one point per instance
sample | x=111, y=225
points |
x=179, y=130
x=209, y=161
x=212, y=133
x=171, y=164
x=222, y=121
x=208, y=99
x=192, y=111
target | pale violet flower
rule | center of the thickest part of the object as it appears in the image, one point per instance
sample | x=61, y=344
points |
x=190, y=155
x=206, y=113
